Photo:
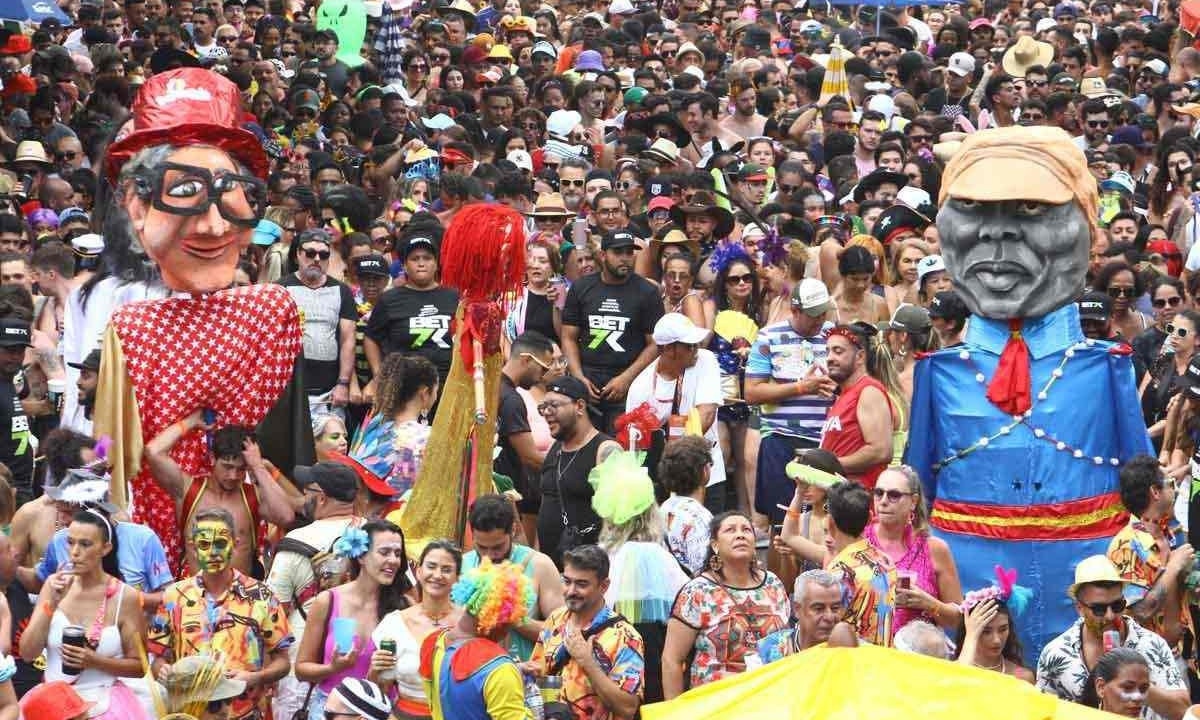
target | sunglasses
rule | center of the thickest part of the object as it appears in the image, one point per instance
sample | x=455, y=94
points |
x=625, y=185
x=1161, y=303
x=893, y=495
x=418, y=66
x=1101, y=609
x=438, y=57
x=788, y=189
x=534, y=358
x=1097, y=123
x=1037, y=83
x=1119, y=292
x=313, y=254
x=1177, y=331
x=573, y=183
x=920, y=138
x=739, y=279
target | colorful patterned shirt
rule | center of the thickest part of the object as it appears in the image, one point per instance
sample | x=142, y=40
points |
x=870, y=582
x=616, y=646
x=1141, y=557
x=245, y=624
x=393, y=451
x=729, y=622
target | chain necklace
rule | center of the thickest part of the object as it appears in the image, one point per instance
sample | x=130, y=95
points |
x=436, y=618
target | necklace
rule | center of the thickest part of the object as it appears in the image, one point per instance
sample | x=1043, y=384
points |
x=436, y=618
x=1001, y=668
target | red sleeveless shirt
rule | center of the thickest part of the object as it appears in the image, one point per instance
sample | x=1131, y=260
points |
x=842, y=435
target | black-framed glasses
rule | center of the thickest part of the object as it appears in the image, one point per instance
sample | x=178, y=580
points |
x=187, y=190
x=893, y=495
x=1177, y=331
x=1101, y=609
x=314, y=254
x=1037, y=83
x=1161, y=303
x=1120, y=292
x=920, y=139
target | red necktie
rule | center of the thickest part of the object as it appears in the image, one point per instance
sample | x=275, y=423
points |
x=1009, y=389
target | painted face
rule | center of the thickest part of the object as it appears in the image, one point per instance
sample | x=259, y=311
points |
x=214, y=545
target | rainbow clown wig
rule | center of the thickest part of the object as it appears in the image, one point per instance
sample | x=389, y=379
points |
x=496, y=596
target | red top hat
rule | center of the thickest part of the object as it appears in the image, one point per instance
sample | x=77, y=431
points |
x=188, y=106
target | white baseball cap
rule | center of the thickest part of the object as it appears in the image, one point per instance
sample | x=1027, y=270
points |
x=961, y=64
x=811, y=296
x=521, y=159
x=678, y=328
x=929, y=265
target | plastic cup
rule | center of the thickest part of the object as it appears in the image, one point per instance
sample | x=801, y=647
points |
x=344, y=632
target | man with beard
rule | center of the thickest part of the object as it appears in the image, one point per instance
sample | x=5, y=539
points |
x=329, y=315
x=235, y=459
x=567, y=517
x=597, y=653
x=89, y=377
x=16, y=451
x=858, y=429
x=818, y=605
x=492, y=520
x=329, y=503
x=519, y=458
x=572, y=177
x=1067, y=660
x=745, y=120
x=618, y=311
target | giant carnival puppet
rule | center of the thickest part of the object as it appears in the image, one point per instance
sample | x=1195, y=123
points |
x=1019, y=433
x=188, y=188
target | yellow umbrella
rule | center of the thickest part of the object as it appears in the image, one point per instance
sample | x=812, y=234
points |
x=868, y=682
x=836, y=82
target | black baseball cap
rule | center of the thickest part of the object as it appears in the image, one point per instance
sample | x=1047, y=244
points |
x=947, y=305
x=334, y=479
x=375, y=265
x=91, y=362
x=656, y=186
x=1094, y=306
x=14, y=333
x=618, y=239
x=569, y=386
x=418, y=242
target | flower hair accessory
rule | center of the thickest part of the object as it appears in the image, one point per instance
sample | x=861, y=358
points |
x=1006, y=591
x=773, y=248
x=726, y=254
x=353, y=544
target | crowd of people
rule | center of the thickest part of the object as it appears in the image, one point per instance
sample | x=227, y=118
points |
x=730, y=246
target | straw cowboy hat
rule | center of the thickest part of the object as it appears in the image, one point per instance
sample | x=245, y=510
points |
x=550, y=205
x=1026, y=53
x=663, y=151
x=677, y=237
x=31, y=151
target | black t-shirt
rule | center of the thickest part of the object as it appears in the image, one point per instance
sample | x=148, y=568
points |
x=539, y=315
x=613, y=322
x=407, y=320
x=15, y=452
x=511, y=419
x=321, y=310
x=28, y=677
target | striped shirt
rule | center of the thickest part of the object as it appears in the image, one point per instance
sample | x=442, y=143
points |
x=783, y=355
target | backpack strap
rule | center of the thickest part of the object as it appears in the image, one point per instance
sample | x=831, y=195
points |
x=309, y=591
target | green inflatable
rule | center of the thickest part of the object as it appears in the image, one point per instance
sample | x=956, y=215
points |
x=347, y=18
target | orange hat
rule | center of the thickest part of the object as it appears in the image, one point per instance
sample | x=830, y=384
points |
x=55, y=700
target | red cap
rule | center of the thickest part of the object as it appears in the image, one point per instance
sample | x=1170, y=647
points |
x=55, y=700
x=372, y=481
x=188, y=106
x=474, y=55
x=17, y=45
x=662, y=201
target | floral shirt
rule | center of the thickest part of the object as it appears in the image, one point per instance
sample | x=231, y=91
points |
x=870, y=584
x=687, y=531
x=1061, y=670
x=246, y=624
x=617, y=647
x=729, y=622
x=1141, y=558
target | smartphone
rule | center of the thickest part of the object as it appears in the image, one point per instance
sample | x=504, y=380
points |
x=579, y=232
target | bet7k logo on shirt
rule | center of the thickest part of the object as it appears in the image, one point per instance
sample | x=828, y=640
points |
x=607, y=329
x=429, y=325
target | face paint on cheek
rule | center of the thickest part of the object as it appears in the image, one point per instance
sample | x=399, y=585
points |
x=214, y=546
x=1131, y=697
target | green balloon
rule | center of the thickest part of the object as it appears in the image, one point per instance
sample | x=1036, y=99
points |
x=347, y=18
